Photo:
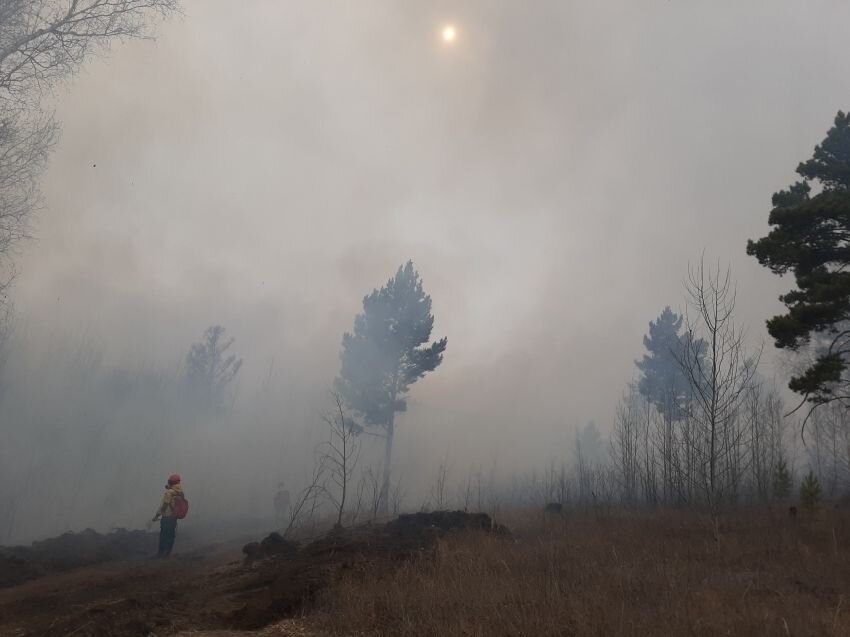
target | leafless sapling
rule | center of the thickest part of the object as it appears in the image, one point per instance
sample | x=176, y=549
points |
x=339, y=454
x=720, y=371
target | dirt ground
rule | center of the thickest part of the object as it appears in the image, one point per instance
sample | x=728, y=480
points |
x=214, y=591
x=135, y=597
x=19, y=564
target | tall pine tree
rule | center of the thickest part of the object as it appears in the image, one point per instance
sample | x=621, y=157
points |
x=810, y=238
x=386, y=353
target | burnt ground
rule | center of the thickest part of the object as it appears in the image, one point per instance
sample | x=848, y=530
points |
x=19, y=564
x=216, y=588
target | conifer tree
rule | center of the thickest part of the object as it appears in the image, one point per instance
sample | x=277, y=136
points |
x=386, y=353
x=781, y=481
x=810, y=491
x=810, y=238
x=210, y=369
x=662, y=380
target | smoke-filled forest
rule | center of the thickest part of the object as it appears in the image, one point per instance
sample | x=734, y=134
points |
x=424, y=318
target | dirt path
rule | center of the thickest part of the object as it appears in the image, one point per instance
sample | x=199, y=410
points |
x=141, y=597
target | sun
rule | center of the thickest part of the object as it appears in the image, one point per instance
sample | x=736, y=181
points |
x=449, y=33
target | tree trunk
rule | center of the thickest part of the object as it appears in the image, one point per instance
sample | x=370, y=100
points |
x=388, y=456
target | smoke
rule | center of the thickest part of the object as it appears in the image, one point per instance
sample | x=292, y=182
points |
x=264, y=166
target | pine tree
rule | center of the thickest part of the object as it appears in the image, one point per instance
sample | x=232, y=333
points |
x=664, y=383
x=210, y=369
x=781, y=481
x=809, y=238
x=386, y=353
x=810, y=491
x=662, y=380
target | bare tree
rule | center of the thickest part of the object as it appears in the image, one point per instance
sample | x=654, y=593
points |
x=555, y=486
x=367, y=496
x=625, y=447
x=306, y=500
x=766, y=438
x=465, y=492
x=439, y=490
x=648, y=422
x=339, y=454
x=397, y=494
x=372, y=485
x=829, y=448
x=42, y=42
x=6, y=328
x=720, y=372
x=24, y=147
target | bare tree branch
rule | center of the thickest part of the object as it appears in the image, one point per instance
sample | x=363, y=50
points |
x=42, y=42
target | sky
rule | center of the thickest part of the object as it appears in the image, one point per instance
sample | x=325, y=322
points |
x=552, y=173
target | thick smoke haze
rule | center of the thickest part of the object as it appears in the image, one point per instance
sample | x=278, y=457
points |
x=264, y=165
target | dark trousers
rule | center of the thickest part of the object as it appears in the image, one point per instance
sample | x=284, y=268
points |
x=167, y=533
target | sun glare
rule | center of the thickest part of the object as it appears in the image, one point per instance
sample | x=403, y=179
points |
x=449, y=33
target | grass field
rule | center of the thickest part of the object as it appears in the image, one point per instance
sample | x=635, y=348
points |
x=641, y=574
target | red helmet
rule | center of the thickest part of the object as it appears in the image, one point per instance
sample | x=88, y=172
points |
x=174, y=478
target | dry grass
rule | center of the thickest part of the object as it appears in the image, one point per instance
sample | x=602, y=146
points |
x=284, y=628
x=617, y=574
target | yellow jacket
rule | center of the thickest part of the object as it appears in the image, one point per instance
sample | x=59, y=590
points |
x=175, y=490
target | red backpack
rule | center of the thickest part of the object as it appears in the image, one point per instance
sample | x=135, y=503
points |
x=179, y=506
